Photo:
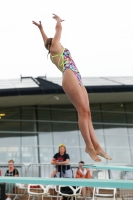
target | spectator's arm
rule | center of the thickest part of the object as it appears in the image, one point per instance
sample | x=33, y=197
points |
x=88, y=174
x=64, y=162
x=54, y=161
x=76, y=174
x=80, y=174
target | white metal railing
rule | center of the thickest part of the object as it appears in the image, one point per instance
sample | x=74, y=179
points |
x=46, y=170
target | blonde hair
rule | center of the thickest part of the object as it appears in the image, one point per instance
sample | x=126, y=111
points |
x=61, y=145
x=10, y=161
x=48, y=44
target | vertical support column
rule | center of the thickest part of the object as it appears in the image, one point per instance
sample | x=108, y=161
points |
x=37, y=129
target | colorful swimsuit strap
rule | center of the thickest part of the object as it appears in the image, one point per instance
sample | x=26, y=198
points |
x=61, y=56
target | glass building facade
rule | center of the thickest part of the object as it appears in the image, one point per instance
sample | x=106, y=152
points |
x=33, y=134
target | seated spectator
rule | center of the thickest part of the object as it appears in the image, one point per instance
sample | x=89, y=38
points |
x=83, y=173
x=61, y=160
x=12, y=171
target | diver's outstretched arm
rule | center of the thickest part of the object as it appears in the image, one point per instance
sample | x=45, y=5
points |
x=39, y=25
x=58, y=29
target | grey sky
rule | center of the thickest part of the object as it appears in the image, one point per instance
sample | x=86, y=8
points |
x=99, y=34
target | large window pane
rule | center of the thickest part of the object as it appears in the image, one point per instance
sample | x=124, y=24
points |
x=69, y=138
x=10, y=147
x=117, y=138
x=64, y=127
x=74, y=153
x=130, y=131
x=66, y=131
x=64, y=113
x=116, y=135
x=132, y=155
x=29, y=148
x=44, y=127
x=43, y=115
x=96, y=113
x=129, y=116
x=116, y=141
x=113, y=130
x=10, y=113
x=119, y=155
x=27, y=115
x=129, y=112
x=46, y=154
x=45, y=134
x=113, y=113
x=29, y=154
x=29, y=139
x=131, y=140
x=8, y=153
x=7, y=121
x=45, y=142
x=9, y=139
x=45, y=138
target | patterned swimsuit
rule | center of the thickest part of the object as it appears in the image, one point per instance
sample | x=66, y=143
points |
x=67, y=63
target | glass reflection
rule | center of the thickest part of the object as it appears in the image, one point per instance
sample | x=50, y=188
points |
x=46, y=154
x=24, y=139
x=119, y=155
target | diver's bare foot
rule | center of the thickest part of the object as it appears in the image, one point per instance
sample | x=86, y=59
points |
x=92, y=154
x=102, y=153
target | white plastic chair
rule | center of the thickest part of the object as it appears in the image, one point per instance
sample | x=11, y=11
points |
x=76, y=191
x=96, y=193
x=36, y=194
x=102, y=174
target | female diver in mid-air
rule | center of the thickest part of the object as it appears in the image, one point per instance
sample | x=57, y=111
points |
x=73, y=87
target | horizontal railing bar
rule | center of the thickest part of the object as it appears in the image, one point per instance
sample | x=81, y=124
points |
x=73, y=109
x=56, y=146
x=93, y=166
x=110, y=167
x=70, y=122
x=109, y=183
x=122, y=167
x=75, y=165
x=39, y=132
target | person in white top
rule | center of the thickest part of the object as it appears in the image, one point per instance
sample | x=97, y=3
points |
x=12, y=171
x=83, y=173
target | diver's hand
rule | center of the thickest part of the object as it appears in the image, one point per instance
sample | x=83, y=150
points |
x=39, y=25
x=56, y=17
